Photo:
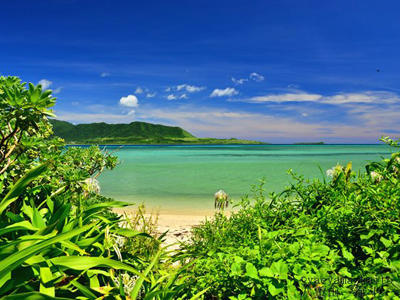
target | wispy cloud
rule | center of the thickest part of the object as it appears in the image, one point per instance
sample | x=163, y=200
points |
x=252, y=76
x=150, y=95
x=95, y=117
x=377, y=97
x=239, y=81
x=129, y=101
x=189, y=88
x=57, y=90
x=256, y=77
x=287, y=97
x=171, y=97
x=221, y=123
x=104, y=74
x=45, y=83
x=224, y=92
x=139, y=90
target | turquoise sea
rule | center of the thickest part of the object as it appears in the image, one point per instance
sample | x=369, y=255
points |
x=184, y=178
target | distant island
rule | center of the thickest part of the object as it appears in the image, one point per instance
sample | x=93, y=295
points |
x=310, y=143
x=135, y=133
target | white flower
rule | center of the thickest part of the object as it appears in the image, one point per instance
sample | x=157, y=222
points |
x=92, y=185
x=330, y=172
x=221, y=195
x=221, y=199
x=375, y=176
x=128, y=282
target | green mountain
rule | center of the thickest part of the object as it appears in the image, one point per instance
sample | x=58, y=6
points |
x=132, y=133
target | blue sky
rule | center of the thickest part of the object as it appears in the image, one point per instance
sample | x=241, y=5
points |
x=276, y=71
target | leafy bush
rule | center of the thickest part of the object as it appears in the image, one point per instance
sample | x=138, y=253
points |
x=58, y=236
x=338, y=238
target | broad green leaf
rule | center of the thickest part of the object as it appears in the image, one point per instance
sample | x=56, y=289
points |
x=37, y=259
x=24, y=225
x=347, y=255
x=251, y=271
x=45, y=277
x=139, y=282
x=266, y=272
x=274, y=290
x=87, y=262
x=345, y=272
x=37, y=219
x=199, y=294
x=71, y=245
x=236, y=269
x=13, y=261
x=20, y=186
x=93, y=209
x=32, y=296
x=83, y=289
x=129, y=233
x=280, y=268
x=386, y=242
x=321, y=250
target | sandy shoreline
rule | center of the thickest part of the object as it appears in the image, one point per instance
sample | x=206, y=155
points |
x=177, y=224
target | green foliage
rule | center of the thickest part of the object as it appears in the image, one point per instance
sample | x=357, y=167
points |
x=58, y=236
x=336, y=238
x=140, y=222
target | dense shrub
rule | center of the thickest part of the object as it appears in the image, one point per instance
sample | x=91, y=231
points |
x=336, y=237
x=58, y=236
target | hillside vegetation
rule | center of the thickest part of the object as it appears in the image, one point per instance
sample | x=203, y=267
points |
x=132, y=133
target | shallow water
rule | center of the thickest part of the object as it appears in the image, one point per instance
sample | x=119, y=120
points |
x=184, y=178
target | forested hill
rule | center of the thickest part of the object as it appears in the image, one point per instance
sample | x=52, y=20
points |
x=80, y=132
x=132, y=133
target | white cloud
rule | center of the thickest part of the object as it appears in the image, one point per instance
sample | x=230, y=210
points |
x=171, y=97
x=189, y=88
x=375, y=97
x=150, y=95
x=209, y=122
x=138, y=90
x=224, y=92
x=131, y=112
x=256, y=77
x=288, y=97
x=130, y=101
x=183, y=96
x=94, y=117
x=45, y=83
x=57, y=90
x=168, y=89
x=239, y=81
x=104, y=74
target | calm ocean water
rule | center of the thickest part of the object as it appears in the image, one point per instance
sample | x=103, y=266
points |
x=184, y=178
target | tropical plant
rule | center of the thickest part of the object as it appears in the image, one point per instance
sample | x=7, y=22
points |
x=338, y=237
x=58, y=236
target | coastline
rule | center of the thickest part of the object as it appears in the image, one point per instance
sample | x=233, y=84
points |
x=176, y=224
